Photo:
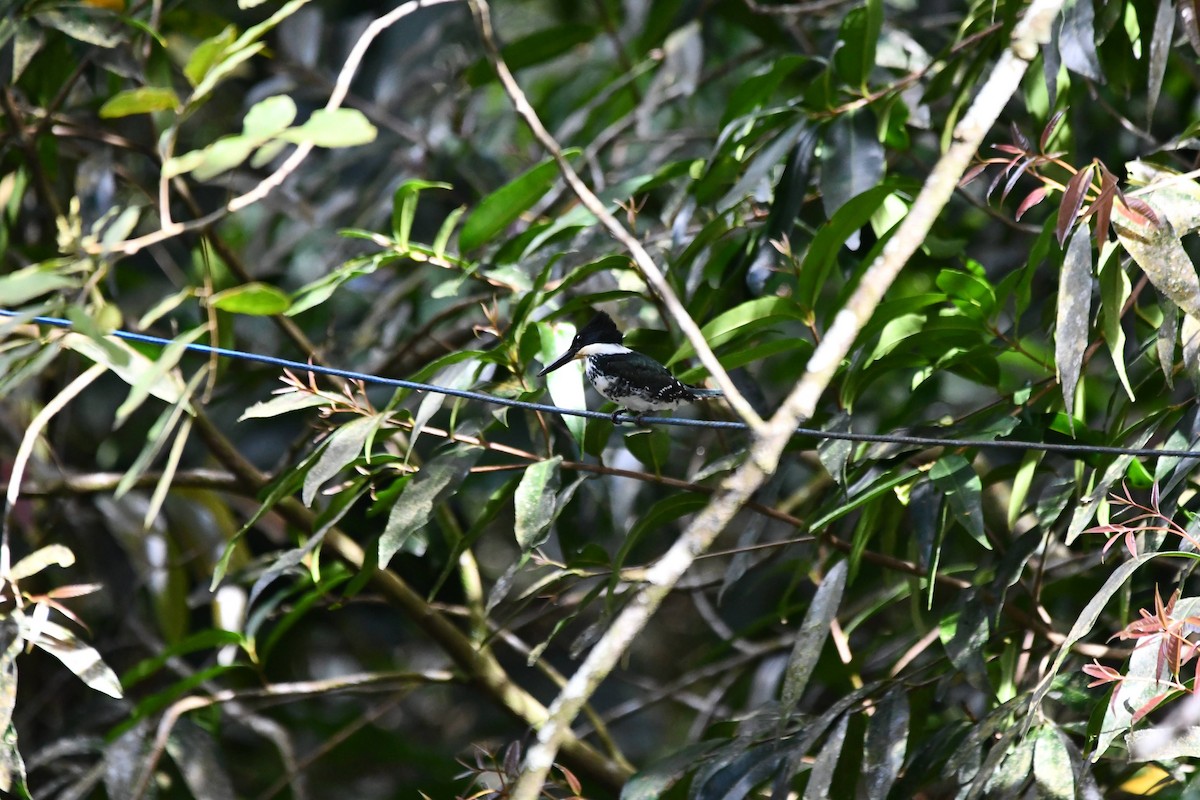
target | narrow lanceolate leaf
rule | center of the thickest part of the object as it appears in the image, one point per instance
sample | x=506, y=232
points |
x=1072, y=201
x=1073, y=315
x=502, y=207
x=255, y=299
x=76, y=656
x=415, y=504
x=25, y=284
x=1114, y=291
x=954, y=477
x=811, y=637
x=1160, y=47
x=1167, y=338
x=55, y=555
x=345, y=445
x=885, y=745
x=534, y=503
x=142, y=100
x=821, y=776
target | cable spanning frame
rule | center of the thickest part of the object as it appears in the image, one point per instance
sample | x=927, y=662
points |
x=400, y=383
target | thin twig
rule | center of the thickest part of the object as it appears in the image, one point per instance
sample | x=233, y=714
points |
x=770, y=438
x=293, y=161
x=649, y=270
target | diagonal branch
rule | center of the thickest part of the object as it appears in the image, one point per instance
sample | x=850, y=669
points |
x=646, y=266
x=771, y=438
x=1005, y=79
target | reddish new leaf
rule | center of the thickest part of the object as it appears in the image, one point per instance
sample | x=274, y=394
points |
x=1139, y=211
x=1050, y=129
x=1024, y=164
x=974, y=172
x=1072, y=201
x=1102, y=205
x=1031, y=200
x=1020, y=138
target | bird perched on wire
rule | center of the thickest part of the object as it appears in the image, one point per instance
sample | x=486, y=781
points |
x=634, y=381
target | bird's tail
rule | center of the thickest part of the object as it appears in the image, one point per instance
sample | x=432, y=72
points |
x=706, y=394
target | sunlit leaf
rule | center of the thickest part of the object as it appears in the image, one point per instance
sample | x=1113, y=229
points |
x=1074, y=314
x=504, y=206
x=80, y=658
x=344, y=446
x=339, y=127
x=534, y=502
x=414, y=507
x=142, y=100
x=1052, y=768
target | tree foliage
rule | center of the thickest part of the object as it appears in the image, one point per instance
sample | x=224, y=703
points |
x=967, y=222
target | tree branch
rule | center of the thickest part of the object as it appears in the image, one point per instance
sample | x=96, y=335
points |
x=646, y=266
x=770, y=440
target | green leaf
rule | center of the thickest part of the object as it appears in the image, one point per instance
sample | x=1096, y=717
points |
x=1073, y=316
x=415, y=504
x=954, y=476
x=269, y=117
x=822, y=253
x=33, y=281
x=230, y=61
x=166, y=362
x=127, y=363
x=885, y=745
x=282, y=404
x=208, y=639
x=207, y=54
x=404, y=207
x=502, y=207
x=854, y=54
x=1115, y=289
x=339, y=127
x=534, y=503
x=741, y=321
x=852, y=162
x=142, y=100
x=254, y=299
x=810, y=639
x=221, y=156
x=342, y=448
x=1052, y=768
x=651, y=446
x=820, y=778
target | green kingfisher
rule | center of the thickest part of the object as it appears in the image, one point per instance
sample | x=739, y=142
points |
x=634, y=381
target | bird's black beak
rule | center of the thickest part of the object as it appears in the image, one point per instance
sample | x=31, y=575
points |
x=565, y=358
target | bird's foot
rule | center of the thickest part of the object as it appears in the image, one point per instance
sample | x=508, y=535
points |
x=636, y=419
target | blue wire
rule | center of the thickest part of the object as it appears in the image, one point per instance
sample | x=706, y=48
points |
x=880, y=438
